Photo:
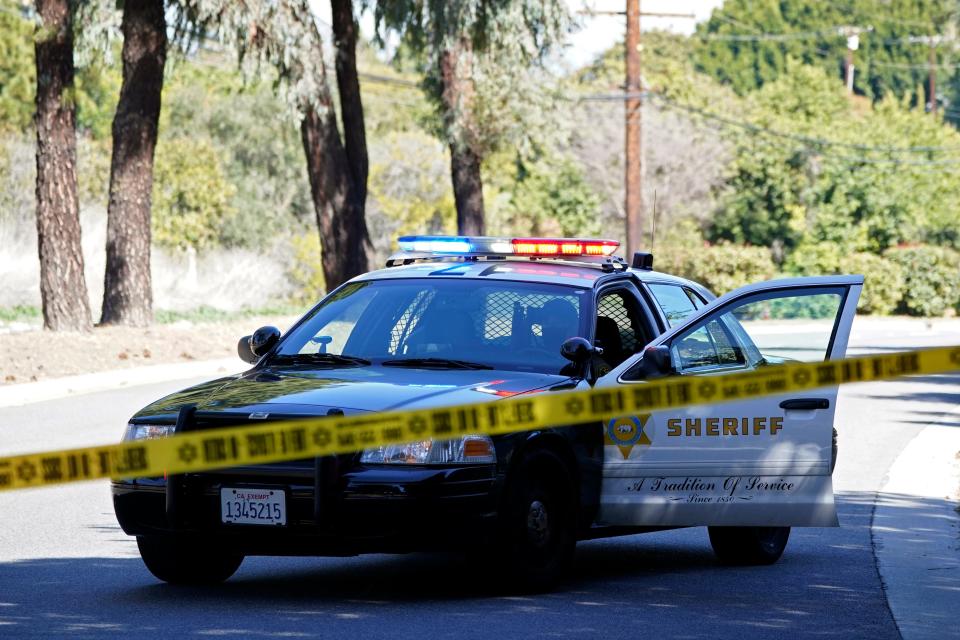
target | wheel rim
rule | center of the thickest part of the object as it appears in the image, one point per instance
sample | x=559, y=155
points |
x=538, y=524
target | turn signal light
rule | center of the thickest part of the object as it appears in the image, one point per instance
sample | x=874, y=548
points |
x=477, y=448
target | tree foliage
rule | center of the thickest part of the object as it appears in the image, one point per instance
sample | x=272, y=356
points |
x=932, y=276
x=480, y=61
x=191, y=194
x=720, y=268
x=96, y=82
x=256, y=142
x=730, y=46
x=827, y=172
x=17, y=71
x=548, y=196
x=409, y=182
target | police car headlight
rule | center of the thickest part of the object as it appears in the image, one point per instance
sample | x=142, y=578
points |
x=148, y=431
x=465, y=450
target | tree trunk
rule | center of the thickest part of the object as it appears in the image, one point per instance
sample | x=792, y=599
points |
x=63, y=289
x=127, y=293
x=340, y=213
x=338, y=168
x=348, y=85
x=467, y=190
x=464, y=158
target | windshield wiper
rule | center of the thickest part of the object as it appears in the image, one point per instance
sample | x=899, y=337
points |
x=435, y=363
x=319, y=358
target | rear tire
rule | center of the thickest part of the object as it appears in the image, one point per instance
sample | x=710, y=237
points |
x=748, y=545
x=537, y=528
x=179, y=561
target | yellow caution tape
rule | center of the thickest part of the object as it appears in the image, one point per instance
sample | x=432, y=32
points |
x=307, y=438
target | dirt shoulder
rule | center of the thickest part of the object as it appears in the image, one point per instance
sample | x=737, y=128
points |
x=30, y=356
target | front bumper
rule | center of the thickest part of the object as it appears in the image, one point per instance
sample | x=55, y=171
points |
x=363, y=509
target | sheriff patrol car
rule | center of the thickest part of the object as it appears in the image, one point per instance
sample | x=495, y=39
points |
x=454, y=320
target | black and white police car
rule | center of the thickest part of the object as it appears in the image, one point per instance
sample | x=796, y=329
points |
x=455, y=320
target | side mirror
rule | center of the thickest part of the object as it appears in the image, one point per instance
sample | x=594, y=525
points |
x=243, y=350
x=578, y=350
x=252, y=348
x=657, y=362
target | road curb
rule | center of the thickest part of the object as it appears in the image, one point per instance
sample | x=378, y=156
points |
x=916, y=533
x=21, y=394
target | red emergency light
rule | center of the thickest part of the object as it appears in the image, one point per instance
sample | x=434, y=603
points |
x=546, y=247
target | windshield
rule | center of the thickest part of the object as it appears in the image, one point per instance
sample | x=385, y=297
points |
x=504, y=325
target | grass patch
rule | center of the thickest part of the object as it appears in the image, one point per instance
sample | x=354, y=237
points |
x=210, y=314
x=19, y=313
x=26, y=313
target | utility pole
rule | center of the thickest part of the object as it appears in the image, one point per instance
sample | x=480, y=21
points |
x=932, y=78
x=932, y=42
x=852, y=35
x=633, y=114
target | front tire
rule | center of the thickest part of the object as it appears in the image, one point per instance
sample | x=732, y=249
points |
x=193, y=562
x=538, y=524
x=748, y=545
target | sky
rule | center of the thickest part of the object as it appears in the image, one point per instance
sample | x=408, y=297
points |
x=597, y=33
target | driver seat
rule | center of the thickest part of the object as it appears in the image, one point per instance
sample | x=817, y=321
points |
x=608, y=338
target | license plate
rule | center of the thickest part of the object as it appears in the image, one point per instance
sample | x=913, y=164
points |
x=253, y=506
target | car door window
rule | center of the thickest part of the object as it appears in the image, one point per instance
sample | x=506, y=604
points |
x=766, y=328
x=620, y=330
x=710, y=346
x=698, y=302
x=789, y=328
x=673, y=301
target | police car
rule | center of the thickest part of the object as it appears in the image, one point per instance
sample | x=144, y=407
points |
x=454, y=320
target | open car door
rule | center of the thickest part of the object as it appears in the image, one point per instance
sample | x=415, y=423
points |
x=764, y=461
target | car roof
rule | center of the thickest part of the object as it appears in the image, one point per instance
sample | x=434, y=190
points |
x=565, y=272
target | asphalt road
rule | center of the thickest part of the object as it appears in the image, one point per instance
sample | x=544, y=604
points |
x=67, y=570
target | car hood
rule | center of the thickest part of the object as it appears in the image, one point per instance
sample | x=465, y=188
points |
x=303, y=391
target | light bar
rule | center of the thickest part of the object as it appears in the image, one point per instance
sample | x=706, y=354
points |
x=483, y=245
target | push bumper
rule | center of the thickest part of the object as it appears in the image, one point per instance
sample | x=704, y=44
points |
x=367, y=509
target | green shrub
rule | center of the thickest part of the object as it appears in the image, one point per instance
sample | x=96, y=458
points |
x=720, y=268
x=883, y=282
x=205, y=313
x=814, y=259
x=19, y=313
x=883, y=285
x=932, y=279
x=191, y=194
x=306, y=270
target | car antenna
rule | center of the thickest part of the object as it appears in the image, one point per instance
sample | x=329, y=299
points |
x=653, y=222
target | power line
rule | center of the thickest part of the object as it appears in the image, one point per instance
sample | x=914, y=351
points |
x=836, y=31
x=887, y=162
x=903, y=65
x=805, y=140
x=929, y=40
x=737, y=23
x=765, y=135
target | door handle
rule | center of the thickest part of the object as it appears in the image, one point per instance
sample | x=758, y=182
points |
x=805, y=404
